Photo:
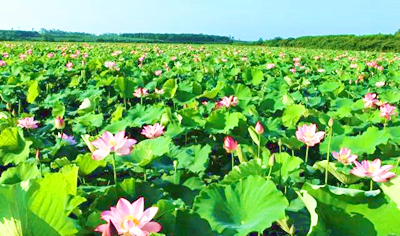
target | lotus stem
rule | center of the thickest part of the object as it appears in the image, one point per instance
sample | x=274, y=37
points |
x=371, y=185
x=307, y=155
x=327, y=156
x=115, y=171
x=259, y=146
x=233, y=160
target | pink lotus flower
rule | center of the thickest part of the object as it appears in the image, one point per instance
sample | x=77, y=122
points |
x=380, y=84
x=259, y=128
x=64, y=54
x=386, y=111
x=373, y=170
x=158, y=72
x=140, y=92
x=173, y=58
x=308, y=135
x=5, y=55
x=141, y=59
x=108, y=143
x=85, y=55
x=116, y=53
x=2, y=63
x=344, y=156
x=22, y=56
x=224, y=59
x=29, y=52
x=159, y=91
x=270, y=66
x=68, y=138
x=109, y=64
x=28, y=123
x=296, y=59
x=59, y=123
x=370, y=100
x=230, y=145
x=153, y=131
x=297, y=64
x=129, y=219
x=353, y=66
x=282, y=55
x=50, y=55
x=293, y=70
x=228, y=101
x=69, y=65
x=74, y=55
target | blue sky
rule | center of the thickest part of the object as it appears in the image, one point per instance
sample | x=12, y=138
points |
x=246, y=20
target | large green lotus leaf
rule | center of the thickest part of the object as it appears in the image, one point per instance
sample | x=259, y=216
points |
x=257, y=77
x=170, y=87
x=145, y=151
x=333, y=170
x=212, y=93
x=390, y=96
x=273, y=128
x=191, y=118
x=292, y=114
x=24, y=171
x=392, y=189
x=58, y=109
x=130, y=189
x=33, y=92
x=125, y=87
x=360, y=144
x=194, y=158
x=329, y=86
x=317, y=226
x=243, y=92
x=118, y=113
x=87, y=106
x=220, y=121
x=90, y=120
x=286, y=168
x=355, y=212
x=248, y=205
x=177, y=221
x=116, y=126
x=245, y=169
x=141, y=115
x=13, y=147
x=38, y=207
x=86, y=163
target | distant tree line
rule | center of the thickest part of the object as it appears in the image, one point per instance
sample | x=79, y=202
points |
x=63, y=36
x=379, y=42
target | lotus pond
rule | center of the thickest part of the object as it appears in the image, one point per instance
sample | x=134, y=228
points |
x=162, y=139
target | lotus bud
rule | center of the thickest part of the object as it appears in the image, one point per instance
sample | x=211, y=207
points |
x=175, y=163
x=271, y=160
x=230, y=144
x=259, y=128
x=330, y=122
x=59, y=123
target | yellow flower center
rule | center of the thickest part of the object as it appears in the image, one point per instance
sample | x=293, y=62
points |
x=343, y=158
x=130, y=218
x=371, y=169
x=112, y=143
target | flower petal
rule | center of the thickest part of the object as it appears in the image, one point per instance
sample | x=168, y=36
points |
x=152, y=227
x=100, y=154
